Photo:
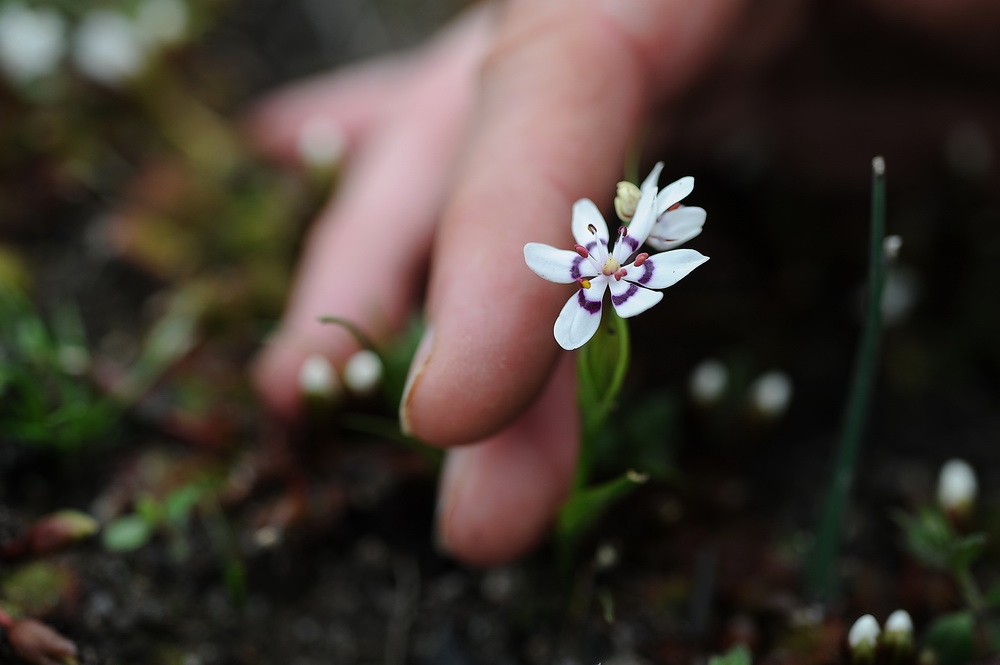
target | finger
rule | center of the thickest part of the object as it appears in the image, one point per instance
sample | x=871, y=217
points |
x=349, y=102
x=498, y=497
x=562, y=95
x=365, y=258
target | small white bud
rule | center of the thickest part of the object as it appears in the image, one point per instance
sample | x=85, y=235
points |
x=899, y=632
x=899, y=622
x=317, y=378
x=863, y=637
x=31, y=41
x=957, y=487
x=891, y=246
x=321, y=143
x=900, y=294
x=363, y=372
x=771, y=393
x=708, y=381
x=627, y=198
x=107, y=48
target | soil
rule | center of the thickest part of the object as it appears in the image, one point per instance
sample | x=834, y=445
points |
x=318, y=545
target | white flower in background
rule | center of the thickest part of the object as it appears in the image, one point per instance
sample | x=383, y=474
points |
x=957, y=487
x=675, y=224
x=597, y=270
x=161, y=22
x=318, y=379
x=107, y=48
x=31, y=41
x=771, y=393
x=708, y=381
x=900, y=294
x=891, y=246
x=321, y=143
x=899, y=631
x=363, y=372
x=863, y=637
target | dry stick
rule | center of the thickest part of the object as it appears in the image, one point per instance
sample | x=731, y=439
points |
x=822, y=569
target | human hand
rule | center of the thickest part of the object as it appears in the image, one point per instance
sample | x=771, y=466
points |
x=465, y=151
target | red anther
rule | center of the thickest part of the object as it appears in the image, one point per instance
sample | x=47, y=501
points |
x=674, y=207
x=622, y=231
x=581, y=250
x=640, y=259
x=592, y=229
x=621, y=273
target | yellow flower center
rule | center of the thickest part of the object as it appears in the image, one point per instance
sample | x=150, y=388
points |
x=610, y=267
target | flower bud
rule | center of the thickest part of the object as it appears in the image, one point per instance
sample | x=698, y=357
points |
x=626, y=199
x=708, y=381
x=321, y=143
x=863, y=639
x=770, y=394
x=317, y=378
x=891, y=246
x=957, y=487
x=363, y=373
x=38, y=644
x=898, y=635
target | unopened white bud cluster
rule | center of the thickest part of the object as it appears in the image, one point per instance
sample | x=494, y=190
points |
x=107, y=46
x=866, y=635
x=362, y=375
x=957, y=487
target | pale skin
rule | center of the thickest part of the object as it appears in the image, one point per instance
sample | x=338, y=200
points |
x=460, y=153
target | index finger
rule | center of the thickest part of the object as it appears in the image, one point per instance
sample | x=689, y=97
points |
x=562, y=94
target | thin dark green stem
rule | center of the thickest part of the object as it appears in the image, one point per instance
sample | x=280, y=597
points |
x=822, y=573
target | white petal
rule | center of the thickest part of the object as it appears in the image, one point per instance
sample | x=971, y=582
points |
x=639, y=228
x=580, y=316
x=556, y=265
x=585, y=215
x=675, y=227
x=653, y=179
x=665, y=269
x=673, y=193
x=630, y=299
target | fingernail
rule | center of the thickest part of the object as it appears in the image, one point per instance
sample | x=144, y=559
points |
x=448, y=491
x=420, y=359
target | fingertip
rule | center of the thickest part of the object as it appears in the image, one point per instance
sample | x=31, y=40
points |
x=498, y=497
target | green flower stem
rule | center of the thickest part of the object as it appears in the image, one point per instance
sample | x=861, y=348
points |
x=970, y=591
x=822, y=572
x=601, y=367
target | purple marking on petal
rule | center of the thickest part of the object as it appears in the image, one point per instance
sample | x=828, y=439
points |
x=618, y=300
x=574, y=270
x=592, y=307
x=630, y=241
x=648, y=275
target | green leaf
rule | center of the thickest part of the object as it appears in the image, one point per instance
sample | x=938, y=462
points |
x=738, y=655
x=951, y=638
x=931, y=538
x=178, y=505
x=585, y=506
x=126, y=533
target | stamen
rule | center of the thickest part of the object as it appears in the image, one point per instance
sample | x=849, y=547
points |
x=674, y=207
x=622, y=231
x=581, y=250
x=592, y=229
x=621, y=273
x=584, y=283
x=640, y=259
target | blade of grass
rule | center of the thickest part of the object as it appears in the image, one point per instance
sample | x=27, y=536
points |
x=822, y=568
